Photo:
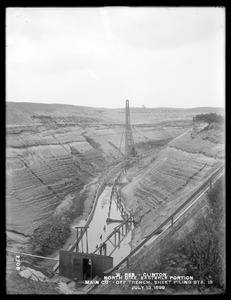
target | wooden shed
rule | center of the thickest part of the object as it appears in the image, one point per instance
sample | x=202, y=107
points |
x=83, y=266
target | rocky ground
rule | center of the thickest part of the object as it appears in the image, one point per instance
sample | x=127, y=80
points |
x=31, y=279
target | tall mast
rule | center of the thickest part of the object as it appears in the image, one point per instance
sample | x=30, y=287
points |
x=129, y=141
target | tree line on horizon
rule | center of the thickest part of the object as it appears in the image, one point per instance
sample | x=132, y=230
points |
x=209, y=118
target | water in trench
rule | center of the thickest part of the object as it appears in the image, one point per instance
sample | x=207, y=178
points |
x=99, y=230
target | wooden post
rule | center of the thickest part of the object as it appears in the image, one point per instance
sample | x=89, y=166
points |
x=86, y=241
x=128, y=263
x=82, y=239
x=115, y=237
x=77, y=242
x=109, y=211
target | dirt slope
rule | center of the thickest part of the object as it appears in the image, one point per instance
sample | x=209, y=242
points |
x=188, y=160
x=54, y=150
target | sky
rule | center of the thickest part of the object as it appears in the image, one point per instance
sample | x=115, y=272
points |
x=99, y=57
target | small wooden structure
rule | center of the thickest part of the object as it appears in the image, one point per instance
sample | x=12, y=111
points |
x=83, y=266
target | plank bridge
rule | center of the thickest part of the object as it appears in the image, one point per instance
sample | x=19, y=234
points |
x=119, y=233
x=115, y=237
x=116, y=196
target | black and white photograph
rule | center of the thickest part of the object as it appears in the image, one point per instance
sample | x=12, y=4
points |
x=115, y=150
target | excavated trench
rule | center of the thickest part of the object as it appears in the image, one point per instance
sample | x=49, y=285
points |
x=49, y=162
x=99, y=229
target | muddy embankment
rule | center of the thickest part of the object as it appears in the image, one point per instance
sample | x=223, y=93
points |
x=160, y=184
x=54, y=151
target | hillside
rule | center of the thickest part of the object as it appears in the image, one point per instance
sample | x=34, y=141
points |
x=155, y=191
x=54, y=150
